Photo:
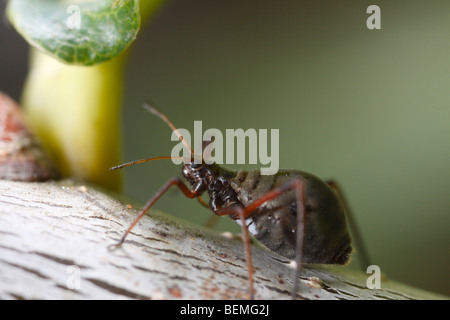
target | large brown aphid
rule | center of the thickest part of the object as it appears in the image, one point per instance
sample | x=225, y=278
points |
x=292, y=213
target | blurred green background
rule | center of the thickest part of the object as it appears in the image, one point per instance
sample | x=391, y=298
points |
x=369, y=108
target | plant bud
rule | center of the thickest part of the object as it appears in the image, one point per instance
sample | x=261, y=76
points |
x=21, y=156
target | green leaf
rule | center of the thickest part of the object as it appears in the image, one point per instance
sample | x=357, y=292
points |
x=79, y=32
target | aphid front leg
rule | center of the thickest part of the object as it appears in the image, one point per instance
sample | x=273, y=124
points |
x=172, y=182
x=243, y=213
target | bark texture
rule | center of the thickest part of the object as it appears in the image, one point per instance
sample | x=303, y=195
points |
x=56, y=238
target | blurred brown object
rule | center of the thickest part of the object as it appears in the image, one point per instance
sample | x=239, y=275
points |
x=21, y=156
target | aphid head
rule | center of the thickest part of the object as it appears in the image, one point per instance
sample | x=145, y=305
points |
x=199, y=174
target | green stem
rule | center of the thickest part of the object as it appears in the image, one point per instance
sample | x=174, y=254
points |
x=76, y=112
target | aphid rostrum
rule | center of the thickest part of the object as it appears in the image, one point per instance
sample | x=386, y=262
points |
x=292, y=212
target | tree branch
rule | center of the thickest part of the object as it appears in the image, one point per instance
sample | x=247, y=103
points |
x=55, y=243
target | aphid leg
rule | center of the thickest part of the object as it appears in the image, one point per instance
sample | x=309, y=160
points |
x=248, y=253
x=362, y=251
x=202, y=202
x=300, y=197
x=296, y=185
x=245, y=239
x=212, y=221
x=172, y=182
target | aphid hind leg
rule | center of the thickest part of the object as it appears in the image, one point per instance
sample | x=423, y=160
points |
x=362, y=251
x=296, y=185
x=172, y=182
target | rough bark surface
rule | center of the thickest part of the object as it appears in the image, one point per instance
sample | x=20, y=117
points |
x=55, y=243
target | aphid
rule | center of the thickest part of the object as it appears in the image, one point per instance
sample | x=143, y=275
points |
x=292, y=213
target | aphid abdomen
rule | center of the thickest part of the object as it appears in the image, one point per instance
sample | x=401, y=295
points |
x=274, y=223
